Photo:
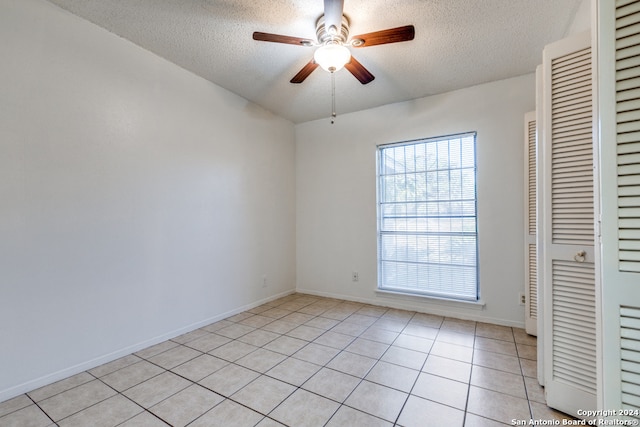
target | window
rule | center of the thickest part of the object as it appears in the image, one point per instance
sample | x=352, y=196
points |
x=427, y=224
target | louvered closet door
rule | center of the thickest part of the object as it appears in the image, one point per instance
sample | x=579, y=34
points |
x=530, y=253
x=568, y=227
x=540, y=108
x=619, y=114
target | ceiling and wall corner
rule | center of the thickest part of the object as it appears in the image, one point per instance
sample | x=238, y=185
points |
x=458, y=43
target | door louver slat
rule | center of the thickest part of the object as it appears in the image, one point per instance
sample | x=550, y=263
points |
x=530, y=212
x=573, y=311
x=572, y=151
x=628, y=147
x=626, y=7
x=627, y=20
x=629, y=35
x=568, y=212
x=531, y=135
x=626, y=79
x=627, y=127
x=627, y=56
x=630, y=356
x=533, y=277
x=628, y=94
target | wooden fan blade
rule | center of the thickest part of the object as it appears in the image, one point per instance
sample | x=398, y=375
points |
x=333, y=14
x=304, y=73
x=277, y=38
x=392, y=35
x=359, y=72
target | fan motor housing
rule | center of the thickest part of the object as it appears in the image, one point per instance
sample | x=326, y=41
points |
x=325, y=35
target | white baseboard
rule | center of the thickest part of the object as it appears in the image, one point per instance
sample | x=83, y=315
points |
x=90, y=364
x=414, y=303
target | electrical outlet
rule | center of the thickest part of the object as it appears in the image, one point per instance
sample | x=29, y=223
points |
x=522, y=299
x=264, y=281
x=354, y=276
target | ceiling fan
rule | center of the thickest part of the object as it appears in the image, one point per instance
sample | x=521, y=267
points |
x=332, y=31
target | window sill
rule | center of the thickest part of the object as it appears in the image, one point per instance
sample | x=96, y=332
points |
x=405, y=296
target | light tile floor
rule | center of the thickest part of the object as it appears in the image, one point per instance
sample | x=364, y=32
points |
x=306, y=361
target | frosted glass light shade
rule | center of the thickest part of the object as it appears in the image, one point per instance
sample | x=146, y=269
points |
x=332, y=57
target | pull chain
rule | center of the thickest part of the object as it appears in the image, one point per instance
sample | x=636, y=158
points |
x=333, y=97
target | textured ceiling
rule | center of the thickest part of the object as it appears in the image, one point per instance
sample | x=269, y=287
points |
x=458, y=43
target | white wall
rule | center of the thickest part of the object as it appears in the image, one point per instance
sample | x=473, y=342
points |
x=336, y=194
x=582, y=19
x=137, y=201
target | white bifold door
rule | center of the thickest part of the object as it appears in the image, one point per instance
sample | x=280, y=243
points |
x=539, y=214
x=567, y=226
x=618, y=47
x=530, y=223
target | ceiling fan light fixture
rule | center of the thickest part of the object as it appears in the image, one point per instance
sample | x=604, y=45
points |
x=332, y=57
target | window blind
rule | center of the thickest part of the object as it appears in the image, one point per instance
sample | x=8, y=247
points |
x=427, y=228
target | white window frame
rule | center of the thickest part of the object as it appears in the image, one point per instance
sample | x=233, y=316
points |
x=422, y=267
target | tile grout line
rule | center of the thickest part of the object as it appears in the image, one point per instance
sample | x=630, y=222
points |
x=292, y=356
x=265, y=374
x=362, y=379
x=340, y=317
x=72, y=388
x=526, y=391
x=131, y=400
x=340, y=404
x=419, y=371
x=473, y=354
x=380, y=358
x=39, y=407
